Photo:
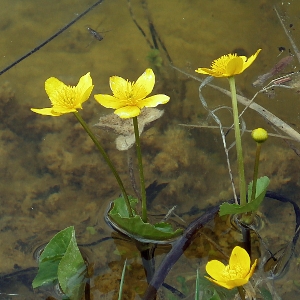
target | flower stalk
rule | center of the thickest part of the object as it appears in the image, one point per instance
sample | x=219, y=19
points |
x=255, y=171
x=107, y=159
x=241, y=292
x=238, y=141
x=259, y=135
x=141, y=171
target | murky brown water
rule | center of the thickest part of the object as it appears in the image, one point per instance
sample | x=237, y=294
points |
x=52, y=177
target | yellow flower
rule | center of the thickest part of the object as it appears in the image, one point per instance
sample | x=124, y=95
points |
x=237, y=273
x=130, y=97
x=229, y=65
x=64, y=98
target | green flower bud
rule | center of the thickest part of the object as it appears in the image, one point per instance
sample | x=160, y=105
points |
x=259, y=135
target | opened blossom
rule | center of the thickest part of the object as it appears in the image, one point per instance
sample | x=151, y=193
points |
x=236, y=274
x=64, y=98
x=130, y=97
x=229, y=65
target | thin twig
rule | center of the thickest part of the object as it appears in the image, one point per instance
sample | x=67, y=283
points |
x=281, y=125
x=217, y=120
x=246, y=130
x=138, y=25
x=296, y=50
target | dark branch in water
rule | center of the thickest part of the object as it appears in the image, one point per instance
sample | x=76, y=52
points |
x=154, y=35
x=280, y=267
x=177, y=250
x=51, y=38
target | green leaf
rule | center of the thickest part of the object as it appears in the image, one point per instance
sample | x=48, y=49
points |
x=51, y=256
x=135, y=226
x=261, y=189
x=265, y=294
x=215, y=296
x=61, y=262
x=71, y=271
x=121, y=208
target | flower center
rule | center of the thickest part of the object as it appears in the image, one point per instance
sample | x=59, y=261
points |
x=219, y=65
x=229, y=274
x=66, y=97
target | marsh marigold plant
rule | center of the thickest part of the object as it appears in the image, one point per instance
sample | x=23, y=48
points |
x=229, y=65
x=236, y=274
x=130, y=97
x=64, y=98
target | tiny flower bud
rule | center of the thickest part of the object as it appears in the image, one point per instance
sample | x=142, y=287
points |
x=259, y=135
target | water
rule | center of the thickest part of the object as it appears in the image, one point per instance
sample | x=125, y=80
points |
x=52, y=177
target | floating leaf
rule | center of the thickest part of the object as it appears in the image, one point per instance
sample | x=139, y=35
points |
x=135, y=225
x=261, y=189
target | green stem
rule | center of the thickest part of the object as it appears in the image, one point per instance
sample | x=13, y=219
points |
x=140, y=162
x=238, y=141
x=107, y=159
x=255, y=172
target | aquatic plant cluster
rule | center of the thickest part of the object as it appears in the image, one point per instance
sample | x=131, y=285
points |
x=129, y=99
x=230, y=245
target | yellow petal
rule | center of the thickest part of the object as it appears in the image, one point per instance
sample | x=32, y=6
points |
x=109, y=101
x=62, y=110
x=120, y=87
x=84, y=88
x=234, y=66
x=45, y=112
x=215, y=269
x=153, y=101
x=252, y=270
x=240, y=260
x=251, y=59
x=144, y=85
x=230, y=284
x=205, y=71
x=52, y=85
x=128, y=112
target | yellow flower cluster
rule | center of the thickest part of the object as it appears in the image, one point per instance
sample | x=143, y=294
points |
x=128, y=97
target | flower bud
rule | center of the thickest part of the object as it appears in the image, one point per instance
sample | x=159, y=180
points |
x=259, y=135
